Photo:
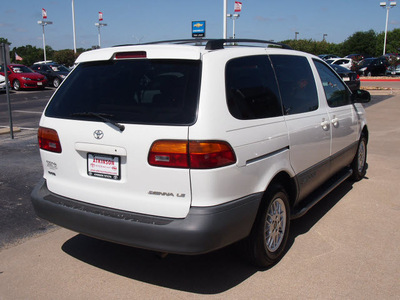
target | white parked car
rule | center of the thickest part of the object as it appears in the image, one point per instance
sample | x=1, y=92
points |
x=199, y=147
x=3, y=83
x=343, y=62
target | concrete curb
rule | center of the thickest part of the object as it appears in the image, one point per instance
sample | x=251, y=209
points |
x=7, y=130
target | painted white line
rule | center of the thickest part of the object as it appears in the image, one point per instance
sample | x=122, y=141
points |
x=28, y=112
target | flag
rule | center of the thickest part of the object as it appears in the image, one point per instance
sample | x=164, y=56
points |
x=100, y=16
x=238, y=6
x=44, y=13
x=17, y=57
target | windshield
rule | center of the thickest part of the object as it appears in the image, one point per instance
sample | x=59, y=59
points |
x=21, y=69
x=130, y=91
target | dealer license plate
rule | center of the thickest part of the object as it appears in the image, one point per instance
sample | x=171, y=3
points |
x=104, y=166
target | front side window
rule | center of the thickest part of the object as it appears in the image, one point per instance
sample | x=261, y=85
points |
x=251, y=88
x=335, y=91
x=296, y=83
x=140, y=91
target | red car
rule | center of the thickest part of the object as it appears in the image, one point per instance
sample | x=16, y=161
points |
x=21, y=77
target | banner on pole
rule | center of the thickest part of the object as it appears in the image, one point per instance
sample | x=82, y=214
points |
x=44, y=13
x=238, y=6
x=100, y=16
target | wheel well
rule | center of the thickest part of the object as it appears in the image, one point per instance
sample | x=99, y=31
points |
x=288, y=184
x=365, y=132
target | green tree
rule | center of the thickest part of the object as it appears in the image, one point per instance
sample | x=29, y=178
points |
x=361, y=42
x=65, y=57
x=29, y=54
x=392, y=42
x=4, y=40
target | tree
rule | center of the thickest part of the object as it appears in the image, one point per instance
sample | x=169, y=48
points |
x=29, y=54
x=4, y=40
x=392, y=42
x=65, y=57
x=361, y=42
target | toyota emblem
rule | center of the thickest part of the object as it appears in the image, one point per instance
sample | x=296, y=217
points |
x=98, y=134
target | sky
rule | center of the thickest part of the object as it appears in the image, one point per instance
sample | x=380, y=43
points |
x=140, y=21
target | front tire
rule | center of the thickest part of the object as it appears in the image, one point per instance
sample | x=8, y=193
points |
x=267, y=240
x=359, y=164
x=16, y=85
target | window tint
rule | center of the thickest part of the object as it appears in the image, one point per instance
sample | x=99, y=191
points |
x=251, y=88
x=131, y=91
x=336, y=92
x=296, y=83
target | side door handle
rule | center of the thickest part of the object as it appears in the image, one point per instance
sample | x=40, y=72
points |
x=335, y=122
x=325, y=124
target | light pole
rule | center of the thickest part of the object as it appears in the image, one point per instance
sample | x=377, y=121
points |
x=387, y=6
x=295, y=35
x=73, y=25
x=99, y=25
x=233, y=17
x=324, y=36
x=44, y=23
x=225, y=11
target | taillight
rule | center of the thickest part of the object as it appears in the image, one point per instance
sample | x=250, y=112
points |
x=192, y=154
x=48, y=140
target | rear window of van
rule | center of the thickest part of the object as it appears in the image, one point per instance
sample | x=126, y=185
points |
x=140, y=91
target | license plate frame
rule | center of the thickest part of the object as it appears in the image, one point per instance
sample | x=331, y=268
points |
x=104, y=166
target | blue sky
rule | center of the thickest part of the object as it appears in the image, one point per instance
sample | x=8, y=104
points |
x=131, y=21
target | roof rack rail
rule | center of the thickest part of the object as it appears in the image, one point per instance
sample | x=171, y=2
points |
x=219, y=43
x=215, y=44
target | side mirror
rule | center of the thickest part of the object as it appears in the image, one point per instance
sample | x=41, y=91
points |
x=361, y=96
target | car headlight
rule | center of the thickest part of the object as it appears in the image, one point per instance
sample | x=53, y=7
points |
x=62, y=76
x=26, y=78
x=363, y=69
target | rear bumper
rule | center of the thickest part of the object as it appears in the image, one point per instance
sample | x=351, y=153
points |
x=203, y=230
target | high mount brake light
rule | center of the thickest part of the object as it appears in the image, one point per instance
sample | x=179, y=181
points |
x=127, y=55
x=191, y=154
x=48, y=140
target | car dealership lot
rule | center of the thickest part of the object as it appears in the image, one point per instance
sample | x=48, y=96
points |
x=345, y=247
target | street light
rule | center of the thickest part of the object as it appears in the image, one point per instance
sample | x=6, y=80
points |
x=324, y=36
x=233, y=17
x=99, y=25
x=44, y=23
x=295, y=35
x=387, y=6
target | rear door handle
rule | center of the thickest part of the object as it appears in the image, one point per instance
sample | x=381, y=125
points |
x=335, y=122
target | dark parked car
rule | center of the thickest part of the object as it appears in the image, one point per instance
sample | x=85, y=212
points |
x=54, y=72
x=351, y=78
x=373, y=66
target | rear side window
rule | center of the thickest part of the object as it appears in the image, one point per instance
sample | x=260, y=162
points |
x=251, y=89
x=336, y=92
x=296, y=83
x=131, y=91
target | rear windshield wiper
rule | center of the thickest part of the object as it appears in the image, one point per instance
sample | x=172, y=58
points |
x=102, y=116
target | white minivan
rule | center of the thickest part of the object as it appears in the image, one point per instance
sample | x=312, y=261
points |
x=184, y=147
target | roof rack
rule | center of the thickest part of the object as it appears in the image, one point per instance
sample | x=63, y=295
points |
x=215, y=44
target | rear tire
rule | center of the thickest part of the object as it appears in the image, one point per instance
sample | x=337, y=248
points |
x=359, y=164
x=56, y=82
x=267, y=240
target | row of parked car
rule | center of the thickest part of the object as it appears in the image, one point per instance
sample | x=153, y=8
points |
x=366, y=66
x=38, y=76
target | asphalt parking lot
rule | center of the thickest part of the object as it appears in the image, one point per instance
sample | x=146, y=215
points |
x=346, y=247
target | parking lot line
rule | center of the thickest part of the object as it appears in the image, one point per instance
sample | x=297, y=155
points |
x=28, y=112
